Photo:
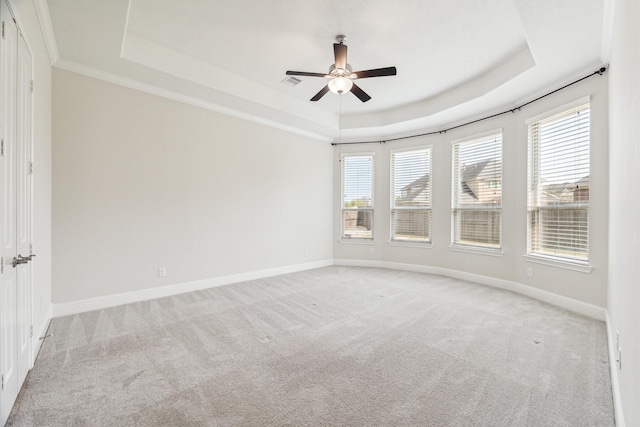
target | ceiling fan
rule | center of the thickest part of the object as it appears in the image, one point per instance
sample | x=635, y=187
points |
x=341, y=75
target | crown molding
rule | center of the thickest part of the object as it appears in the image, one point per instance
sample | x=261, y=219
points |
x=165, y=93
x=44, y=18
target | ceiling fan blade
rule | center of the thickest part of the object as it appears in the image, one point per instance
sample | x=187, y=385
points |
x=320, y=94
x=362, y=95
x=304, y=73
x=340, y=54
x=378, y=72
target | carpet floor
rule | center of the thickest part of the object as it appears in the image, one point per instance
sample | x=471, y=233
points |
x=335, y=346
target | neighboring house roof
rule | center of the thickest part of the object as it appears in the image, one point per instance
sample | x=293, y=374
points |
x=565, y=192
x=582, y=183
x=416, y=191
x=476, y=172
x=467, y=190
x=470, y=172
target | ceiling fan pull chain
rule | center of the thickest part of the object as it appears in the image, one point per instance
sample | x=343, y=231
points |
x=340, y=119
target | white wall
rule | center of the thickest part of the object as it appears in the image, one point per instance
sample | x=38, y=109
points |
x=141, y=181
x=624, y=205
x=589, y=288
x=41, y=266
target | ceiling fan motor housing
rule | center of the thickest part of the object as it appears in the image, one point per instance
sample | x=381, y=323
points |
x=341, y=74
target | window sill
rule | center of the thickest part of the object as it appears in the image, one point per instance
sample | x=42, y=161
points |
x=356, y=241
x=475, y=250
x=425, y=245
x=567, y=265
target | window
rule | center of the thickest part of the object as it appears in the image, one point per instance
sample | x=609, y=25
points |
x=411, y=196
x=357, y=196
x=477, y=192
x=558, y=186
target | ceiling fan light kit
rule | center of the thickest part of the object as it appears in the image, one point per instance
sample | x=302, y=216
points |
x=340, y=85
x=340, y=74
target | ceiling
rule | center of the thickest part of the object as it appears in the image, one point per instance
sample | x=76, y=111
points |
x=456, y=59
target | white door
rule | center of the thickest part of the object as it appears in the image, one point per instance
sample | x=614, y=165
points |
x=15, y=210
x=23, y=208
x=8, y=278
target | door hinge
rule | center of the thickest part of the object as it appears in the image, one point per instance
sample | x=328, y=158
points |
x=30, y=168
x=2, y=148
x=31, y=88
x=3, y=374
x=30, y=331
x=3, y=30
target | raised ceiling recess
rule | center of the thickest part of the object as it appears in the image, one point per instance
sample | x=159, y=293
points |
x=456, y=59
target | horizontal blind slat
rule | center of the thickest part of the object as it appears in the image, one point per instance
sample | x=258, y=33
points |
x=411, y=195
x=357, y=196
x=558, y=184
x=477, y=192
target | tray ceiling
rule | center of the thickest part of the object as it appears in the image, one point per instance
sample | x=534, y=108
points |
x=455, y=58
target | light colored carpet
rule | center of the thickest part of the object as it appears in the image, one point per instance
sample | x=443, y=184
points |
x=336, y=346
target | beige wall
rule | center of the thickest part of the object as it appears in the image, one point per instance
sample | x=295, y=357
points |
x=624, y=208
x=141, y=181
x=512, y=266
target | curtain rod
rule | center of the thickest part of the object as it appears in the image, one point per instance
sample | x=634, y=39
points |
x=513, y=110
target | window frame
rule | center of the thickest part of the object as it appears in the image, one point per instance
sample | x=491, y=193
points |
x=343, y=237
x=392, y=197
x=539, y=256
x=455, y=243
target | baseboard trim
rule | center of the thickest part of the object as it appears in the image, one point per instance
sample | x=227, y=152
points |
x=613, y=367
x=90, y=304
x=74, y=307
x=586, y=309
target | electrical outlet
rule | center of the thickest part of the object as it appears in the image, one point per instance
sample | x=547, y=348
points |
x=530, y=272
x=162, y=271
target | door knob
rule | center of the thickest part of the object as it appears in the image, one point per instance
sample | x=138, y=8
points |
x=20, y=260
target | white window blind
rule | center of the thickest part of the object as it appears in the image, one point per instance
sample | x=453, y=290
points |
x=477, y=192
x=411, y=196
x=558, y=184
x=357, y=196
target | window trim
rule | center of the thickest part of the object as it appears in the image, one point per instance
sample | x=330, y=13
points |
x=461, y=247
x=469, y=249
x=557, y=110
x=476, y=136
x=408, y=243
x=577, y=265
x=569, y=263
x=357, y=240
